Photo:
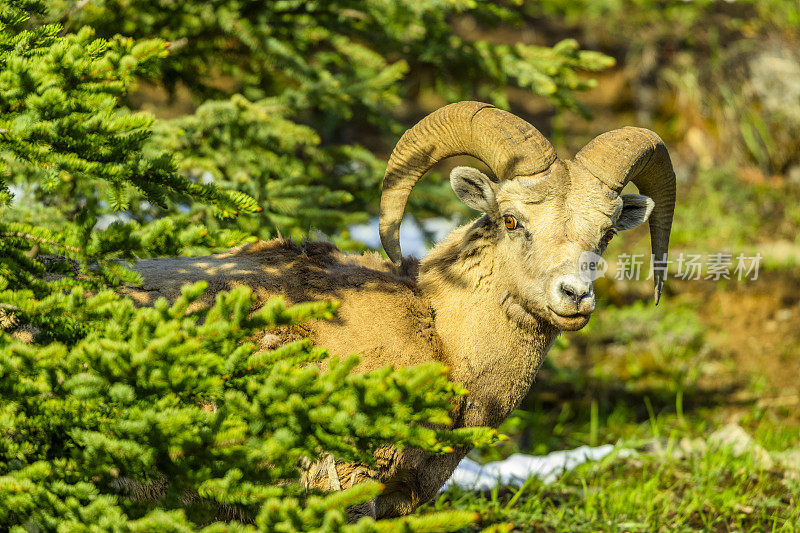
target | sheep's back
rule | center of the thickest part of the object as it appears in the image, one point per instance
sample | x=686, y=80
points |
x=382, y=316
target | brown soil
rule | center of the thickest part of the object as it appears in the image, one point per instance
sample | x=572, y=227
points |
x=758, y=324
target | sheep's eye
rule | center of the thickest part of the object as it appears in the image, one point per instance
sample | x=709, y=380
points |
x=608, y=236
x=511, y=222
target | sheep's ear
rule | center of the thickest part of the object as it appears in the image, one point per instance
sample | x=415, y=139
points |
x=635, y=210
x=474, y=188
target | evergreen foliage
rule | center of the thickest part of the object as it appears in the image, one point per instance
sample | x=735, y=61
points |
x=344, y=58
x=340, y=68
x=180, y=399
x=253, y=147
x=73, y=154
x=104, y=402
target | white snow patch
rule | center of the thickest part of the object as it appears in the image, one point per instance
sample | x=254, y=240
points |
x=470, y=475
x=412, y=238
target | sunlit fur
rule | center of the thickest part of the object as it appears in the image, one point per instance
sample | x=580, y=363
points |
x=478, y=302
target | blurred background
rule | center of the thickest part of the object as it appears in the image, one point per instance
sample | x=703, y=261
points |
x=300, y=103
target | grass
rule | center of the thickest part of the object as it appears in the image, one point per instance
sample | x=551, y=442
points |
x=709, y=491
x=719, y=210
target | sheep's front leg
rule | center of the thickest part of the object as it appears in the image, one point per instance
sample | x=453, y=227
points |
x=328, y=475
x=414, y=478
x=411, y=478
x=396, y=500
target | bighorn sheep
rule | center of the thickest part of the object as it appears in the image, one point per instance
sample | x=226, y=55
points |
x=490, y=299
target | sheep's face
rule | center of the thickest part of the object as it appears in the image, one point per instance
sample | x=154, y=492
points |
x=547, y=227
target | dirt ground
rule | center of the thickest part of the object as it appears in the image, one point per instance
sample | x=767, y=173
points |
x=758, y=323
x=755, y=325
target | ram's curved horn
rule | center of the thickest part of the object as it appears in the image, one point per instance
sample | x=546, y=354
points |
x=508, y=145
x=640, y=156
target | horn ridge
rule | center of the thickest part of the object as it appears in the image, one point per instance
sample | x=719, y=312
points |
x=507, y=144
x=640, y=156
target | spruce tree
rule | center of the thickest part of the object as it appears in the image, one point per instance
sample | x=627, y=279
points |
x=290, y=92
x=118, y=417
x=155, y=418
x=73, y=155
x=164, y=419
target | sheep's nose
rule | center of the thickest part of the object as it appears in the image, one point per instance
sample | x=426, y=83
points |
x=577, y=294
x=576, y=291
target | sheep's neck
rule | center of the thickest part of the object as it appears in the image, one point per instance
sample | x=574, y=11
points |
x=494, y=357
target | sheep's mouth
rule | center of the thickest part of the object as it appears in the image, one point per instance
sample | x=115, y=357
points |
x=518, y=310
x=569, y=322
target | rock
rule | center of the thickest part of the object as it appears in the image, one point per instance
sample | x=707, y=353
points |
x=271, y=341
x=789, y=459
x=741, y=443
x=692, y=446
